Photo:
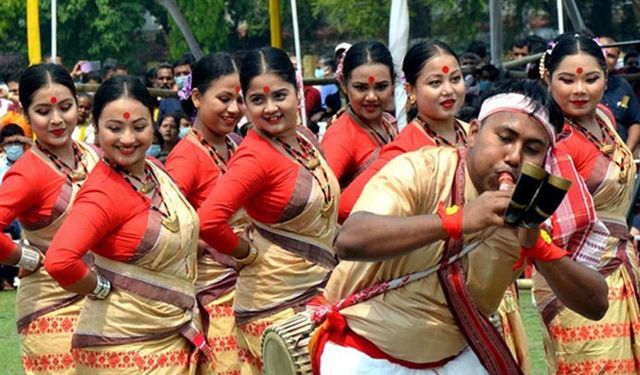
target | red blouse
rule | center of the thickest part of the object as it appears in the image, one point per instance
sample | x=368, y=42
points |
x=108, y=217
x=409, y=139
x=259, y=178
x=347, y=148
x=583, y=152
x=29, y=192
x=193, y=170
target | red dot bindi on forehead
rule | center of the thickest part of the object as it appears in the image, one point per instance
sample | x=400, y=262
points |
x=266, y=89
x=579, y=70
x=371, y=79
x=53, y=100
x=445, y=69
x=126, y=115
x=237, y=89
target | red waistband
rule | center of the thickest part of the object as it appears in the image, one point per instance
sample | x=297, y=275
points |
x=335, y=329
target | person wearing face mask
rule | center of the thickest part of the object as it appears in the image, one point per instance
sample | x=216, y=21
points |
x=141, y=315
x=182, y=70
x=40, y=190
x=13, y=143
x=184, y=123
x=155, y=150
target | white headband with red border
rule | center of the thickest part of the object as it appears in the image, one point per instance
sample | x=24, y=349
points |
x=513, y=102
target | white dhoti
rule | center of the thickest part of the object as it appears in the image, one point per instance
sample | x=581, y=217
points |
x=341, y=360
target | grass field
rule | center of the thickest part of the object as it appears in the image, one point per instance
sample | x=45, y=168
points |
x=9, y=345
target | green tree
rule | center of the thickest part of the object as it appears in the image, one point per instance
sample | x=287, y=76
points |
x=208, y=24
x=97, y=29
x=355, y=18
x=13, y=32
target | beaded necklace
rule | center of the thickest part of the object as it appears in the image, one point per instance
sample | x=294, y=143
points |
x=382, y=139
x=215, y=155
x=308, y=158
x=461, y=137
x=169, y=220
x=605, y=149
x=69, y=173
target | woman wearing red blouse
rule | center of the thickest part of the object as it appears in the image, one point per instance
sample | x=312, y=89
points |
x=576, y=72
x=39, y=190
x=196, y=165
x=354, y=140
x=436, y=89
x=291, y=197
x=142, y=314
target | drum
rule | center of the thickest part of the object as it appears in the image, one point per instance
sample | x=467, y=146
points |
x=285, y=348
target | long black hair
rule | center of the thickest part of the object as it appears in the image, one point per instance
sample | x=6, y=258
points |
x=42, y=75
x=415, y=60
x=206, y=70
x=367, y=52
x=118, y=87
x=418, y=55
x=266, y=60
x=569, y=44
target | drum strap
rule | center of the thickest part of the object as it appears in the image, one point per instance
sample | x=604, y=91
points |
x=481, y=335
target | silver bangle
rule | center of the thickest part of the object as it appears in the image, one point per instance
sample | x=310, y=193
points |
x=102, y=289
x=250, y=258
x=29, y=258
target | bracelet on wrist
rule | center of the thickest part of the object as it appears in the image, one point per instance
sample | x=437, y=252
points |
x=29, y=258
x=544, y=250
x=102, y=289
x=250, y=258
x=451, y=220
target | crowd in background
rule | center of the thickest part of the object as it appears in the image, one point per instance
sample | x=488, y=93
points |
x=322, y=102
x=257, y=180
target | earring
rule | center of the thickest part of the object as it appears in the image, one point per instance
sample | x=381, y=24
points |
x=412, y=99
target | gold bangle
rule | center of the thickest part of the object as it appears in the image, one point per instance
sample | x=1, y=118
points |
x=250, y=258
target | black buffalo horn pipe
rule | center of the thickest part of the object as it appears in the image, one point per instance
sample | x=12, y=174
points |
x=549, y=197
x=530, y=180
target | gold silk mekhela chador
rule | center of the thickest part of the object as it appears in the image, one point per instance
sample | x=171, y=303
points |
x=47, y=314
x=574, y=344
x=513, y=330
x=295, y=259
x=414, y=323
x=149, y=320
x=215, y=290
